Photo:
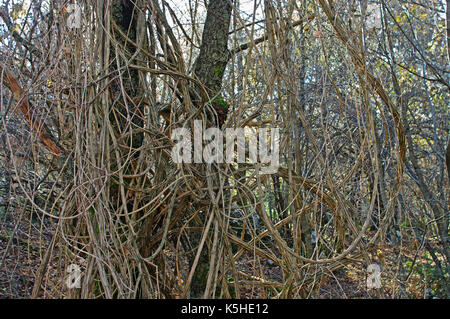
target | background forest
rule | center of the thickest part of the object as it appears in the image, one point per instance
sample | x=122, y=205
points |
x=91, y=92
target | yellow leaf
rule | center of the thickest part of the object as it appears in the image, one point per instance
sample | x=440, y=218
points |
x=380, y=253
x=14, y=15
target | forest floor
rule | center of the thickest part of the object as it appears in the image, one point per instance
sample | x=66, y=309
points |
x=20, y=259
x=22, y=248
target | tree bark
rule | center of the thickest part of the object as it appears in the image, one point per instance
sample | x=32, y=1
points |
x=209, y=69
x=214, y=54
x=447, y=157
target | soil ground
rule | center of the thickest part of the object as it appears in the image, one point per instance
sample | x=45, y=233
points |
x=21, y=256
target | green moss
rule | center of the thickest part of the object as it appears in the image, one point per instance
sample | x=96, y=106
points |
x=219, y=71
x=219, y=101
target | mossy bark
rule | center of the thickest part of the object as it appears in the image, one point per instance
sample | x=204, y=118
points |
x=209, y=69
